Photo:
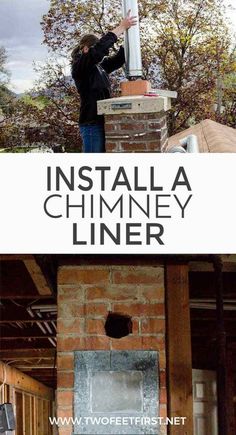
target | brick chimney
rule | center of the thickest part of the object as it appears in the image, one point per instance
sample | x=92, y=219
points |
x=87, y=294
x=135, y=123
x=112, y=311
x=94, y=290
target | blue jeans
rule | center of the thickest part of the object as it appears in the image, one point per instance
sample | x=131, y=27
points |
x=93, y=137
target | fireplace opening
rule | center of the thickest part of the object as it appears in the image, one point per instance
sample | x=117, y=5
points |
x=118, y=325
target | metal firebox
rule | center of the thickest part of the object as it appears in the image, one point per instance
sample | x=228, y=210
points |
x=116, y=385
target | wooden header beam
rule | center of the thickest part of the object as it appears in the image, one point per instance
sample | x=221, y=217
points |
x=23, y=382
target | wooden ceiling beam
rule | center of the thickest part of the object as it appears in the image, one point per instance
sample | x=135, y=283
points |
x=202, y=285
x=26, y=337
x=29, y=363
x=27, y=321
x=9, y=313
x=229, y=264
x=26, y=296
x=9, y=333
x=38, y=277
x=209, y=329
x=40, y=343
x=27, y=353
x=15, y=257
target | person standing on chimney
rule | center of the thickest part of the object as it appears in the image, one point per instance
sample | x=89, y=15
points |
x=91, y=67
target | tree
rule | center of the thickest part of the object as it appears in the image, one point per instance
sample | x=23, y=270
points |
x=4, y=75
x=226, y=95
x=46, y=116
x=5, y=94
x=193, y=48
x=186, y=45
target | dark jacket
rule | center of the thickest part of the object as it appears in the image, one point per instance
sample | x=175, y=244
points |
x=90, y=73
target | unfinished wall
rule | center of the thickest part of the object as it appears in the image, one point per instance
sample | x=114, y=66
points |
x=86, y=294
x=32, y=401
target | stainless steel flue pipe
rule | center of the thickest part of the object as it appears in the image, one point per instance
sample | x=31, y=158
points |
x=188, y=144
x=132, y=42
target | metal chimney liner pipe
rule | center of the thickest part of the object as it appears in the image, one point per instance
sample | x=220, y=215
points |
x=132, y=43
x=188, y=144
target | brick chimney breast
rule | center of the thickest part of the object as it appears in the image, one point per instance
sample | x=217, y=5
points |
x=135, y=123
x=87, y=295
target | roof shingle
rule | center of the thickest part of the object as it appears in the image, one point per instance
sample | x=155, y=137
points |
x=212, y=137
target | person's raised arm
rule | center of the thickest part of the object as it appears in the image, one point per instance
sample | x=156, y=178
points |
x=125, y=24
x=97, y=52
x=112, y=63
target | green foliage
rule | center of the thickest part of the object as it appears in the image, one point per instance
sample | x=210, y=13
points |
x=6, y=95
x=40, y=101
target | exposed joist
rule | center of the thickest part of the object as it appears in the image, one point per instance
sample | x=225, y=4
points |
x=15, y=257
x=25, y=336
x=38, y=277
x=23, y=296
x=27, y=353
x=17, y=282
x=203, y=319
x=202, y=285
x=228, y=262
x=200, y=314
x=200, y=266
x=30, y=332
x=10, y=313
x=29, y=364
x=209, y=330
x=33, y=344
x=27, y=321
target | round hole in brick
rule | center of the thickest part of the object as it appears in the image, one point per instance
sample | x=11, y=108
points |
x=118, y=325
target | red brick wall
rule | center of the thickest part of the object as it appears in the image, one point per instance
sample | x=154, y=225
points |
x=85, y=296
x=141, y=132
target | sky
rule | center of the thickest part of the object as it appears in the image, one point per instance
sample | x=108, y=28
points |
x=21, y=35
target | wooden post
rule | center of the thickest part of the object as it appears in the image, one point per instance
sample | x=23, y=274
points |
x=230, y=392
x=179, y=355
x=222, y=359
